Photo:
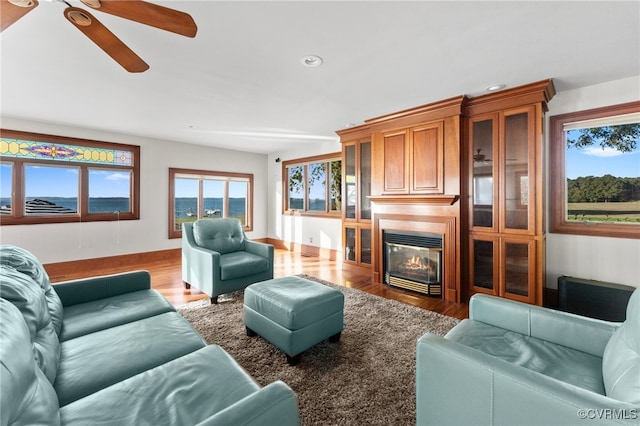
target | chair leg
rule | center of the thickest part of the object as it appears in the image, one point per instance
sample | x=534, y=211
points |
x=250, y=332
x=214, y=300
x=187, y=285
x=335, y=337
x=293, y=360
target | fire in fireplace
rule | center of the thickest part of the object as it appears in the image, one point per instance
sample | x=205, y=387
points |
x=413, y=261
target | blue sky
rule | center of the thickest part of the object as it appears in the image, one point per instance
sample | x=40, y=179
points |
x=595, y=161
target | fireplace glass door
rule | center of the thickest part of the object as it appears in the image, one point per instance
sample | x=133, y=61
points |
x=411, y=265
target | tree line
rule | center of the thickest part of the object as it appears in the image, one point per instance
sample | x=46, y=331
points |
x=607, y=188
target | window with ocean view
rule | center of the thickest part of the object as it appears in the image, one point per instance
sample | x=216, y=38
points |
x=49, y=179
x=200, y=194
x=313, y=185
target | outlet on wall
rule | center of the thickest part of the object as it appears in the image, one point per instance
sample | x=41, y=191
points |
x=310, y=239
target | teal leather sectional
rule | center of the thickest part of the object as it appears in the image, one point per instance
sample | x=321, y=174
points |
x=112, y=351
x=516, y=364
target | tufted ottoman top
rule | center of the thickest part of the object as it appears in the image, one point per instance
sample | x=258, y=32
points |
x=293, y=302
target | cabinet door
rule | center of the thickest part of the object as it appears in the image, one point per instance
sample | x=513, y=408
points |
x=517, y=151
x=364, y=181
x=396, y=171
x=349, y=179
x=350, y=246
x=518, y=269
x=484, y=261
x=484, y=177
x=427, y=159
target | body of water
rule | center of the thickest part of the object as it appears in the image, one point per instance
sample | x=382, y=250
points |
x=184, y=206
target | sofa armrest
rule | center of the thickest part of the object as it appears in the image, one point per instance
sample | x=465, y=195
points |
x=574, y=331
x=261, y=249
x=459, y=385
x=274, y=404
x=95, y=288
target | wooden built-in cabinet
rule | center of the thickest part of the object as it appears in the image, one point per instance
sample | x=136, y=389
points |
x=504, y=192
x=356, y=229
x=469, y=169
x=413, y=159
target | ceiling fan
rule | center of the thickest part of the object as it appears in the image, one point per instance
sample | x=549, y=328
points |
x=478, y=157
x=135, y=10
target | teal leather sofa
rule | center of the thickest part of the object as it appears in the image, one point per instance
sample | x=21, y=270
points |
x=112, y=351
x=516, y=364
x=218, y=258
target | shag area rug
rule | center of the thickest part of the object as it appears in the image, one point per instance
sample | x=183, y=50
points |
x=367, y=378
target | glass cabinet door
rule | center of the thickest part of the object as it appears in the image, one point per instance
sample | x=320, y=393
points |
x=518, y=267
x=516, y=174
x=365, y=180
x=350, y=181
x=483, y=137
x=365, y=245
x=484, y=253
x=350, y=244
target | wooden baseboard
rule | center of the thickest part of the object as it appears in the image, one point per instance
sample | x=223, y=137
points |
x=63, y=271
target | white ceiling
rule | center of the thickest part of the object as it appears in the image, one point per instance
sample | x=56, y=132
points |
x=239, y=83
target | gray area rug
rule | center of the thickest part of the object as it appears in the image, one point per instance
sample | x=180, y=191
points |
x=367, y=378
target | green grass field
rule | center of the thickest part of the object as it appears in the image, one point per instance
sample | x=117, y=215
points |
x=604, y=212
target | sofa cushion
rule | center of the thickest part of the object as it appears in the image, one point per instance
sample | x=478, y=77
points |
x=223, y=235
x=94, y=361
x=184, y=391
x=26, y=396
x=23, y=261
x=557, y=361
x=81, y=319
x=621, y=360
x=240, y=264
x=27, y=296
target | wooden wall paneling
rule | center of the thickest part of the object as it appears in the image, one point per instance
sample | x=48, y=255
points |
x=395, y=152
x=426, y=158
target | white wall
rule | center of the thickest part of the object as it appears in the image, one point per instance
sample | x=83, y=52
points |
x=325, y=233
x=72, y=241
x=614, y=260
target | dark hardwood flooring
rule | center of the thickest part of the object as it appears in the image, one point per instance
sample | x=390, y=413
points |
x=166, y=277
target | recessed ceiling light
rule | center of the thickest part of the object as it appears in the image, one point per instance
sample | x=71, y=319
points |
x=311, y=61
x=495, y=87
x=350, y=125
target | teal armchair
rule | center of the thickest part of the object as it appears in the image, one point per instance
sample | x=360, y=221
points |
x=218, y=258
x=516, y=364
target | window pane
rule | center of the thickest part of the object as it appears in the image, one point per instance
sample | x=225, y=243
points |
x=296, y=187
x=238, y=200
x=186, y=201
x=6, y=178
x=51, y=190
x=213, y=193
x=317, y=186
x=603, y=174
x=335, y=188
x=109, y=191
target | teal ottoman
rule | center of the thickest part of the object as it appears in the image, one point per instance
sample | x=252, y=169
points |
x=293, y=314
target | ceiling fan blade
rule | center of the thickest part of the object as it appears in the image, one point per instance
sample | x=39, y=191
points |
x=105, y=39
x=14, y=10
x=149, y=14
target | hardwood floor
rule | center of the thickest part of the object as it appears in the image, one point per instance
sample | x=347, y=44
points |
x=166, y=277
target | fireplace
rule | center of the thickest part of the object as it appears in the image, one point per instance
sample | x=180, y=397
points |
x=413, y=261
